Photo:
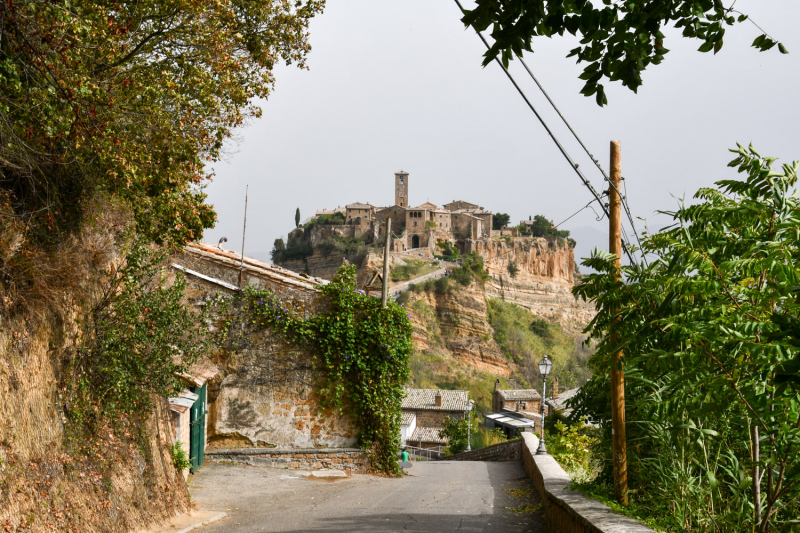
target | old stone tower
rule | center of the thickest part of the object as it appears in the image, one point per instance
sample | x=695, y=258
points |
x=401, y=189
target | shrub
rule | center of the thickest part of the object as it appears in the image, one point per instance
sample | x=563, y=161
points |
x=513, y=269
x=442, y=285
x=455, y=431
x=462, y=276
x=571, y=446
x=180, y=460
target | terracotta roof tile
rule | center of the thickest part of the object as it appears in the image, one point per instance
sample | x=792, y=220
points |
x=425, y=399
x=430, y=435
x=519, y=394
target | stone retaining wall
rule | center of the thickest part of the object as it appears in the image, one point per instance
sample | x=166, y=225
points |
x=569, y=511
x=350, y=460
x=505, y=451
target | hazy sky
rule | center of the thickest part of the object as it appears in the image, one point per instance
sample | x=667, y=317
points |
x=398, y=84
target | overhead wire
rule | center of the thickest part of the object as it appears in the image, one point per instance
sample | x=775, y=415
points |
x=585, y=181
x=561, y=148
x=596, y=162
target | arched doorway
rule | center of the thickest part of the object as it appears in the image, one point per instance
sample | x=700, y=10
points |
x=415, y=241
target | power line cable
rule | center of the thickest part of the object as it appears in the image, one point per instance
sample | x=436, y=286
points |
x=563, y=151
x=585, y=149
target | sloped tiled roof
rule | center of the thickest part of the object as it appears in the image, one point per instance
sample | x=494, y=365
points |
x=359, y=205
x=427, y=205
x=407, y=418
x=425, y=399
x=519, y=394
x=560, y=402
x=430, y=435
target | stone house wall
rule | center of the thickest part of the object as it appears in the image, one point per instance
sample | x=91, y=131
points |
x=434, y=419
x=268, y=394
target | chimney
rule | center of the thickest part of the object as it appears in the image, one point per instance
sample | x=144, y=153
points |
x=438, y=399
x=497, y=385
x=555, y=387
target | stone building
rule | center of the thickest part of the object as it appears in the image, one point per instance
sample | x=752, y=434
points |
x=267, y=392
x=359, y=210
x=514, y=410
x=417, y=227
x=424, y=411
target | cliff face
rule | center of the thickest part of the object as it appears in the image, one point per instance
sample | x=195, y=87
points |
x=543, y=281
x=458, y=323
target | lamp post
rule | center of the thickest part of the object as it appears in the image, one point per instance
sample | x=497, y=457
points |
x=469, y=423
x=545, y=365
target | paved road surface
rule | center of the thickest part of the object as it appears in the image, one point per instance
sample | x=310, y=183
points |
x=437, y=496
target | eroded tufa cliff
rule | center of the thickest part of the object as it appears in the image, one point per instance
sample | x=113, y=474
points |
x=543, y=280
x=458, y=322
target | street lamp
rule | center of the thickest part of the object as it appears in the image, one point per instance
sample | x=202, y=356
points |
x=545, y=365
x=469, y=422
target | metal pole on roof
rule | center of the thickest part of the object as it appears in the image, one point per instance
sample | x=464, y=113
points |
x=244, y=232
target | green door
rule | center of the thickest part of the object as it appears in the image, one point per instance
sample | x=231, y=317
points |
x=197, y=421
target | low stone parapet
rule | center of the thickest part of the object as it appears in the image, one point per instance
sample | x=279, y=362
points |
x=349, y=460
x=505, y=451
x=569, y=511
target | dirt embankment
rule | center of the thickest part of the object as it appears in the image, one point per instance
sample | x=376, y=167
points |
x=51, y=478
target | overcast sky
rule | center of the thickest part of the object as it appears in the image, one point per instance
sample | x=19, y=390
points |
x=398, y=84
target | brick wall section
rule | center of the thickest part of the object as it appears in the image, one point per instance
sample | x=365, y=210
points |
x=350, y=460
x=569, y=511
x=505, y=451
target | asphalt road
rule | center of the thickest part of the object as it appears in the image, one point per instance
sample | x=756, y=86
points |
x=436, y=496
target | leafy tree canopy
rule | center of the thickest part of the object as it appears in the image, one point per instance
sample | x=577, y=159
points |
x=710, y=332
x=133, y=98
x=500, y=221
x=619, y=40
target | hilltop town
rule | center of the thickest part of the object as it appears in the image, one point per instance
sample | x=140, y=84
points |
x=424, y=227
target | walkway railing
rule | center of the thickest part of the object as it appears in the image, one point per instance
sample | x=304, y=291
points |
x=429, y=454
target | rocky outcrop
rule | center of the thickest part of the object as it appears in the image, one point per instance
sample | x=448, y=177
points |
x=458, y=323
x=543, y=280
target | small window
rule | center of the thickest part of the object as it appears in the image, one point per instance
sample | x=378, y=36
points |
x=415, y=222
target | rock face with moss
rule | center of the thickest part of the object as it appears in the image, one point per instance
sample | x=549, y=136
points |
x=543, y=276
x=458, y=323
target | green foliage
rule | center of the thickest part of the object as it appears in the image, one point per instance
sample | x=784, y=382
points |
x=140, y=337
x=430, y=224
x=471, y=269
x=524, y=338
x=482, y=437
x=543, y=227
x=513, y=269
x=541, y=328
x=297, y=218
x=455, y=431
x=362, y=351
x=619, y=40
x=710, y=334
x=334, y=219
x=412, y=269
x=296, y=249
x=571, y=445
x=133, y=99
x=500, y=221
x=180, y=459
x=448, y=250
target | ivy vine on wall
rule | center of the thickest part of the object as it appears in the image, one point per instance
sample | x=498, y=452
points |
x=362, y=351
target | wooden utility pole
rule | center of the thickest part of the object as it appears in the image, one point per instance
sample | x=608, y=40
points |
x=385, y=295
x=617, y=371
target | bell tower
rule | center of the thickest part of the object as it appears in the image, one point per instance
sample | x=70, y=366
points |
x=401, y=189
